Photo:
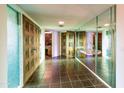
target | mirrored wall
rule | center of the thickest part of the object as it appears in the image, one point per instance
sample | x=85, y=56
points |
x=13, y=48
x=95, y=45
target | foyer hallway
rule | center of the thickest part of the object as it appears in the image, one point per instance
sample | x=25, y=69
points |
x=63, y=73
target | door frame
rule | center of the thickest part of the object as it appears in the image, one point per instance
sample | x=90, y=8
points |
x=49, y=32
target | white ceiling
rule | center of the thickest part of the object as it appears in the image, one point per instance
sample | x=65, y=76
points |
x=48, y=15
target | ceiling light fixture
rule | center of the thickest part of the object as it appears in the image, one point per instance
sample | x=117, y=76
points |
x=61, y=23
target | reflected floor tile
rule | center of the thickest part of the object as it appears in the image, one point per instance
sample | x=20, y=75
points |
x=55, y=76
x=63, y=75
x=76, y=84
x=104, y=68
x=91, y=76
x=44, y=86
x=89, y=87
x=86, y=83
x=65, y=79
x=83, y=77
x=43, y=82
x=56, y=80
x=66, y=85
x=55, y=85
x=100, y=86
x=74, y=78
x=96, y=81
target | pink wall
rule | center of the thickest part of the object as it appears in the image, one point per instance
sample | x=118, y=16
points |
x=120, y=46
x=55, y=44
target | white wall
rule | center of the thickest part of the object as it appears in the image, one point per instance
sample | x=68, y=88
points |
x=3, y=46
x=42, y=45
x=104, y=43
x=120, y=46
x=55, y=44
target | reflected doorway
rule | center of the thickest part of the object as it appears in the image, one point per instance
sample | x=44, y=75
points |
x=48, y=45
x=63, y=44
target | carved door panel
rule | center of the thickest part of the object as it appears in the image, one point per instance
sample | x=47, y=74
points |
x=63, y=44
x=31, y=47
x=70, y=44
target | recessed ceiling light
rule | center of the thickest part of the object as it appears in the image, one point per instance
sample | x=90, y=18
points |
x=61, y=22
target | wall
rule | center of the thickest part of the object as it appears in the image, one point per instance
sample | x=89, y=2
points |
x=42, y=46
x=55, y=44
x=59, y=43
x=104, y=44
x=120, y=46
x=89, y=41
x=3, y=46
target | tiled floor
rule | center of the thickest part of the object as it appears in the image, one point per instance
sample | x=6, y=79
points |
x=63, y=73
x=104, y=68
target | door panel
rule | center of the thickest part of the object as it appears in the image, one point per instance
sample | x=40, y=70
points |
x=63, y=44
x=31, y=47
x=70, y=44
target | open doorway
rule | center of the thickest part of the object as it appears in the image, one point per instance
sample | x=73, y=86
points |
x=48, y=45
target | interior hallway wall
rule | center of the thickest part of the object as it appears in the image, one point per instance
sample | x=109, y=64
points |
x=55, y=44
x=120, y=46
x=104, y=44
x=3, y=46
x=42, y=45
x=89, y=41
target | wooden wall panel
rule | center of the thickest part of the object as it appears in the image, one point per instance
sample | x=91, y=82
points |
x=70, y=44
x=63, y=44
x=31, y=47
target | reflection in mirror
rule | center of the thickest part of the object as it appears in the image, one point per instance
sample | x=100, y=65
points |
x=96, y=46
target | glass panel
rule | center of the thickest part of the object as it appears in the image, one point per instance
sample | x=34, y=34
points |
x=80, y=44
x=85, y=46
x=105, y=62
x=70, y=45
x=13, y=48
x=96, y=48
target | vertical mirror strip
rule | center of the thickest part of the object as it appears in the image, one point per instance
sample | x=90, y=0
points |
x=13, y=47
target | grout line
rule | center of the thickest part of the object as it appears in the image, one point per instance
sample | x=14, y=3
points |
x=78, y=75
x=80, y=80
x=93, y=73
x=91, y=82
x=86, y=79
x=60, y=80
x=69, y=79
x=60, y=77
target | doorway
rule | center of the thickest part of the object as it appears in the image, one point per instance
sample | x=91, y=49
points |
x=48, y=45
